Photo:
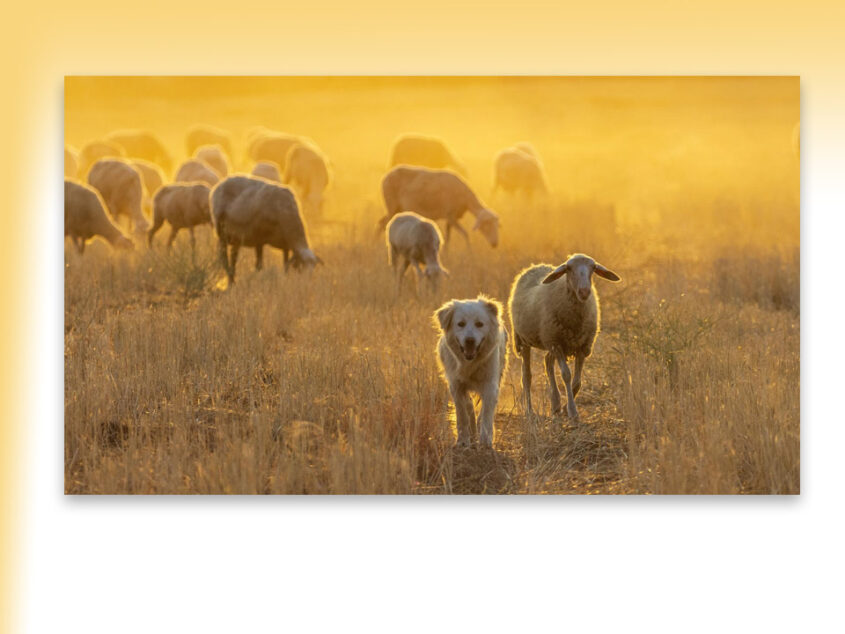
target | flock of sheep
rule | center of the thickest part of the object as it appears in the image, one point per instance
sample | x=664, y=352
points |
x=121, y=180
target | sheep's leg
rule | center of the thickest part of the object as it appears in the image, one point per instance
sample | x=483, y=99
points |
x=233, y=257
x=157, y=223
x=400, y=274
x=193, y=241
x=462, y=404
x=223, y=256
x=525, y=353
x=172, y=237
x=576, y=380
x=554, y=392
x=464, y=233
x=489, y=399
x=259, y=257
x=287, y=259
x=567, y=380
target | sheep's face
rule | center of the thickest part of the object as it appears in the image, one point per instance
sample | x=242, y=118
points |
x=579, y=271
x=488, y=224
x=434, y=274
x=469, y=325
x=305, y=260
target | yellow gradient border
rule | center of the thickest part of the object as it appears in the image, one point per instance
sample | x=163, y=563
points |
x=43, y=42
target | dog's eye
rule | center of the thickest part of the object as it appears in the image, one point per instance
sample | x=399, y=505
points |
x=461, y=324
x=478, y=324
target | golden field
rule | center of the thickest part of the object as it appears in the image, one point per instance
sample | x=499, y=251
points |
x=326, y=383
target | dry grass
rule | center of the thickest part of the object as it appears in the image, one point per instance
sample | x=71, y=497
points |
x=324, y=383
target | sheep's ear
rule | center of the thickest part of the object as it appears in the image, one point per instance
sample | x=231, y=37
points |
x=444, y=315
x=606, y=273
x=551, y=277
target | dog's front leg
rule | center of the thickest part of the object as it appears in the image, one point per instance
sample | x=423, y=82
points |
x=489, y=399
x=462, y=401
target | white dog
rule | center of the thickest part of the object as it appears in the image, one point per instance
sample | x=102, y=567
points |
x=472, y=350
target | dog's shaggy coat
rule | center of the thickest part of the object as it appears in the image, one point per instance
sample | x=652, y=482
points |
x=473, y=354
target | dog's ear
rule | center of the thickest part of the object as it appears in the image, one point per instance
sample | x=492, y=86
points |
x=443, y=316
x=551, y=277
x=491, y=305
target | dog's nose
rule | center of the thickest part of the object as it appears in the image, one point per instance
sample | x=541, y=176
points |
x=469, y=342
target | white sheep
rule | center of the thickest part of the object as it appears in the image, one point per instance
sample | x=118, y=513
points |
x=196, y=170
x=253, y=212
x=424, y=151
x=213, y=156
x=436, y=194
x=307, y=172
x=561, y=318
x=85, y=218
x=201, y=134
x=120, y=186
x=519, y=172
x=184, y=206
x=412, y=239
x=268, y=170
x=142, y=144
x=71, y=162
x=93, y=152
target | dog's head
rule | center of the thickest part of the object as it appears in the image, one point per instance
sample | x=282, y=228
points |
x=470, y=326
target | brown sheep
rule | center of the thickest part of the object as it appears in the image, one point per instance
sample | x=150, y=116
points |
x=196, y=170
x=85, y=217
x=253, y=212
x=437, y=195
x=415, y=149
x=271, y=146
x=142, y=144
x=184, y=206
x=306, y=171
x=121, y=189
x=200, y=135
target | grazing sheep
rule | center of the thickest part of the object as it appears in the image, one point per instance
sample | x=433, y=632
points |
x=252, y=212
x=214, y=157
x=307, y=173
x=195, y=170
x=271, y=146
x=561, y=318
x=412, y=239
x=121, y=189
x=200, y=135
x=85, y=217
x=142, y=144
x=152, y=178
x=436, y=194
x=93, y=152
x=268, y=170
x=184, y=206
x=473, y=354
x=516, y=171
x=71, y=162
x=415, y=149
